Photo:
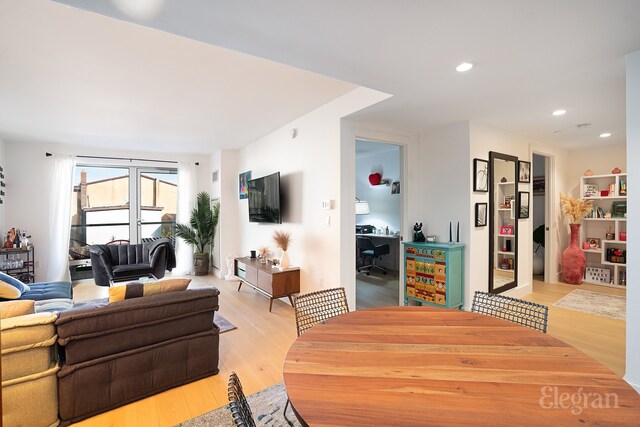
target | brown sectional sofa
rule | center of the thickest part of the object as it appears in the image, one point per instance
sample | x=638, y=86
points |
x=113, y=354
x=29, y=394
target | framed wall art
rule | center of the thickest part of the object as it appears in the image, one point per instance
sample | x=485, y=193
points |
x=243, y=188
x=524, y=171
x=480, y=175
x=481, y=214
x=523, y=204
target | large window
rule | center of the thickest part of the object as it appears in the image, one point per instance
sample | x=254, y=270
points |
x=116, y=205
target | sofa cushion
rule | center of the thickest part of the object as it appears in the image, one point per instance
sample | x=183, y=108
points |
x=100, y=328
x=16, y=308
x=14, y=282
x=31, y=400
x=26, y=344
x=48, y=290
x=137, y=289
x=131, y=269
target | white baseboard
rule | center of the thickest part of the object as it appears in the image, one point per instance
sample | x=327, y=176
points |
x=520, y=291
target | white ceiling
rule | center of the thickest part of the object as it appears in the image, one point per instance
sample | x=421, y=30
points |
x=531, y=57
x=71, y=76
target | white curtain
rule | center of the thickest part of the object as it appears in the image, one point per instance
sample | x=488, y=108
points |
x=186, y=201
x=61, y=192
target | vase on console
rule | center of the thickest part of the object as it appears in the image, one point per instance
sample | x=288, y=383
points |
x=284, y=261
x=573, y=259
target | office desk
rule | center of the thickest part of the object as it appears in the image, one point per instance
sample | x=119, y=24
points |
x=410, y=366
x=392, y=261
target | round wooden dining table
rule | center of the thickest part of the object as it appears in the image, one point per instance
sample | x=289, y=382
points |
x=409, y=366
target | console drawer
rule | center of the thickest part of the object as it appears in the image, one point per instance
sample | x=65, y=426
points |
x=264, y=282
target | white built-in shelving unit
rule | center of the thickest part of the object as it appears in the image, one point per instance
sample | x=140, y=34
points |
x=606, y=228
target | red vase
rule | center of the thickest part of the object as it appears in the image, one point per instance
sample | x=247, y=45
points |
x=573, y=259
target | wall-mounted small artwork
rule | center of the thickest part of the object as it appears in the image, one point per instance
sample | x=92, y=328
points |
x=538, y=185
x=481, y=214
x=523, y=204
x=480, y=175
x=243, y=188
x=524, y=171
x=395, y=188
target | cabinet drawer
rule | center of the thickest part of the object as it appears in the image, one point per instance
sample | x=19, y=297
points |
x=264, y=282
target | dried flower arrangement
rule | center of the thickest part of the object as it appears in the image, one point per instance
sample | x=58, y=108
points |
x=282, y=239
x=263, y=251
x=575, y=209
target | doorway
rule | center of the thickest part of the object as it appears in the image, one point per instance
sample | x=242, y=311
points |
x=378, y=223
x=540, y=204
x=119, y=205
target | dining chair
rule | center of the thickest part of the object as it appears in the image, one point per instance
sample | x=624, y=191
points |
x=319, y=306
x=314, y=308
x=238, y=405
x=514, y=310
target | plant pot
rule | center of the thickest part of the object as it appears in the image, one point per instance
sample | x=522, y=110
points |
x=201, y=264
x=573, y=259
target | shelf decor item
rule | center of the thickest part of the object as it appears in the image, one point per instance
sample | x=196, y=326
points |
x=573, y=259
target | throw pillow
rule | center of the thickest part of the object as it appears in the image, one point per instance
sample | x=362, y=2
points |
x=8, y=291
x=16, y=308
x=14, y=282
x=138, y=290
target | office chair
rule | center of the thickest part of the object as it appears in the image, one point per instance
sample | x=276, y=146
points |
x=368, y=249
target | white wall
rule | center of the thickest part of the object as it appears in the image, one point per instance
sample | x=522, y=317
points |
x=226, y=189
x=310, y=172
x=443, y=193
x=384, y=206
x=28, y=171
x=633, y=221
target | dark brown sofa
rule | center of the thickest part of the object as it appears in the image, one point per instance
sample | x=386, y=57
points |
x=113, y=354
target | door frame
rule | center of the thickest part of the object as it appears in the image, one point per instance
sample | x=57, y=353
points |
x=350, y=131
x=550, y=250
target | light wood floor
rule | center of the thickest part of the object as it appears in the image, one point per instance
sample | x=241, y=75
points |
x=376, y=290
x=256, y=350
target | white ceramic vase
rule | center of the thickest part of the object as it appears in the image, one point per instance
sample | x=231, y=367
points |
x=284, y=260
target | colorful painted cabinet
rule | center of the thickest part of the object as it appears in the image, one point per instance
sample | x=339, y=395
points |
x=433, y=273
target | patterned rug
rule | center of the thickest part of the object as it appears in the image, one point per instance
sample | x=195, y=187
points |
x=266, y=406
x=223, y=323
x=612, y=306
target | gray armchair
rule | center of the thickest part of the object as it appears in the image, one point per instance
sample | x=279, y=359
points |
x=115, y=263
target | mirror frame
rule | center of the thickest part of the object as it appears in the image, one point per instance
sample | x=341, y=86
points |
x=492, y=156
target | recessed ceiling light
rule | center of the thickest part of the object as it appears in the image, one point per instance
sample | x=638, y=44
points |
x=559, y=112
x=605, y=135
x=465, y=66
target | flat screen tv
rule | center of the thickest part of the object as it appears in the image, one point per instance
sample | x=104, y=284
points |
x=264, y=199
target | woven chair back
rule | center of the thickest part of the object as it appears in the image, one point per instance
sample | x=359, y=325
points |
x=514, y=310
x=319, y=306
x=238, y=405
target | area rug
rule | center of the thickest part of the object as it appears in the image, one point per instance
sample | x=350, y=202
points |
x=266, y=406
x=597, y=303
x=223, y=323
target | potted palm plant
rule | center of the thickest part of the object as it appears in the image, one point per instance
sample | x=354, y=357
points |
x=201, y=231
